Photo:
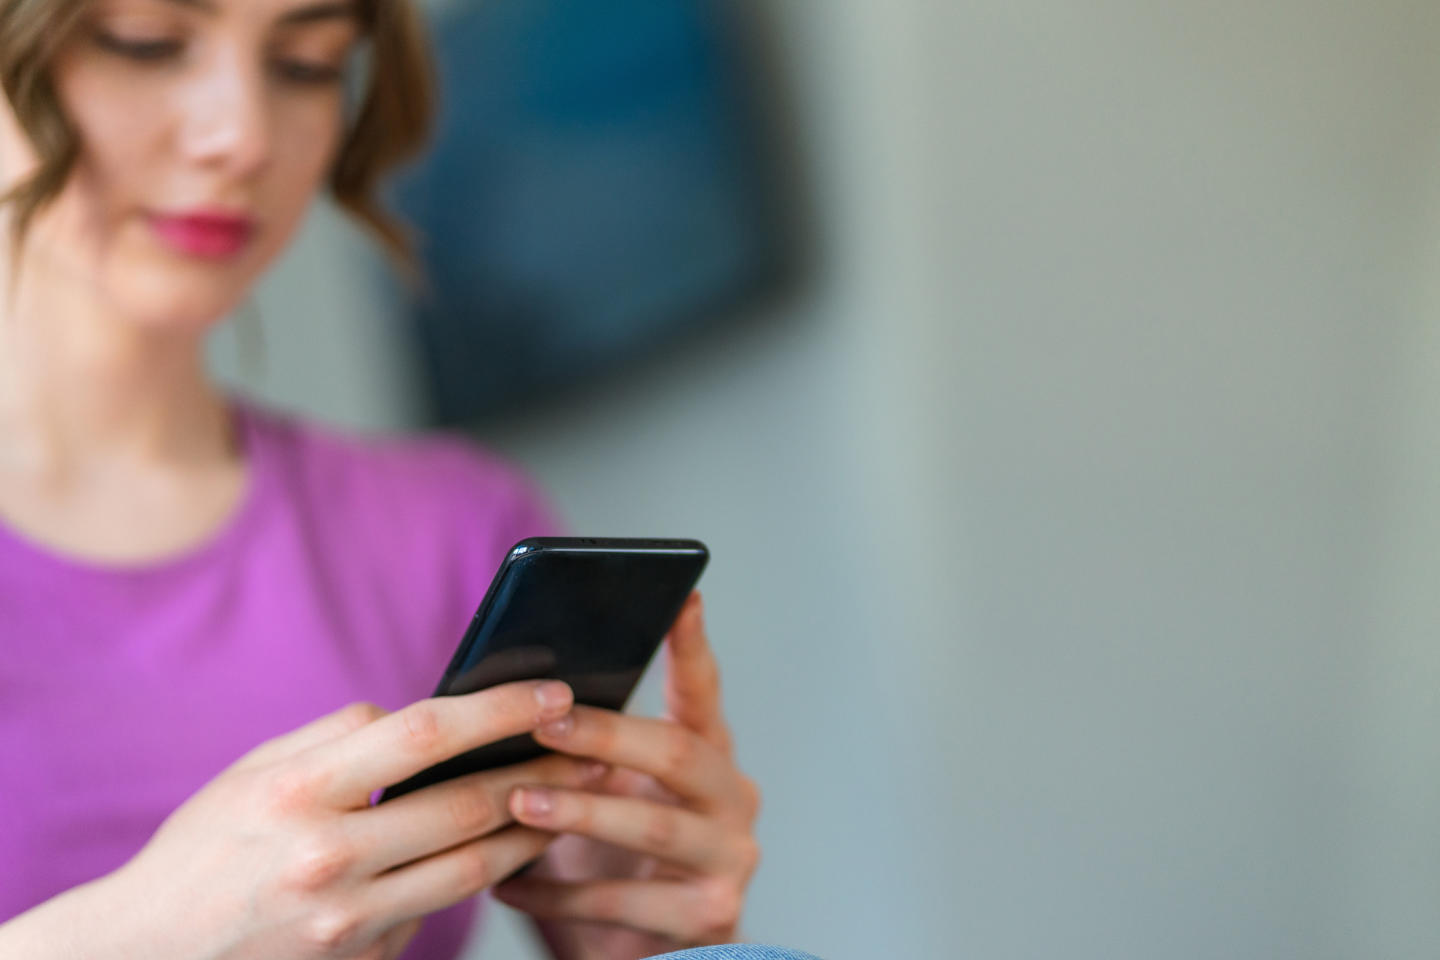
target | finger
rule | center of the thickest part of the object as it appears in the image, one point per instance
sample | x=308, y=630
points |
x=692, y=676
x=687, y=912
x=447, y=814
x=332, y=726
x=670, y=833
x=445, y=879
x=348, y=770
x=394, y=943
x=673, y=754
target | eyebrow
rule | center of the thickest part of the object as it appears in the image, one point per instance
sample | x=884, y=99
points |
x=327, y=10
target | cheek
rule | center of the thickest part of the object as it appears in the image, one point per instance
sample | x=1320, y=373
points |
x=117, y=138
x=306, y=141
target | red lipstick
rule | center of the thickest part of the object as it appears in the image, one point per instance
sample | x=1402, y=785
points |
x=208, y=234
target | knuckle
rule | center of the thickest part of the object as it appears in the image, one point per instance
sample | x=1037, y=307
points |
x=707, y=674
x=718, y=910
x=558, y=770
x=471, y=810
x=750, y=854
x=606, y=904
x=334, y=930
x=475, y=870
x=422, y=727
x=576, y=813
x=750, y=791
x=290, y=788
x=660, y=831
x=355, y=716
x=680, y=751
x=725, y=741
x=319, y=862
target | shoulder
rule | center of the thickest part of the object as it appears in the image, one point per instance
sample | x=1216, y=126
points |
x=401, y=478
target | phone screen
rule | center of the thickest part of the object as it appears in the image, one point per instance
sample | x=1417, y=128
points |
x=589, y=612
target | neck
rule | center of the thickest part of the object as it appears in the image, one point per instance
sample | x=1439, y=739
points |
x=80, y=383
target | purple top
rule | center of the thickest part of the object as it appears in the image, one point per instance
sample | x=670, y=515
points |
x=348, y=573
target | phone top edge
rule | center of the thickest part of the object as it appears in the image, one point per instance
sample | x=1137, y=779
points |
x=606, y=544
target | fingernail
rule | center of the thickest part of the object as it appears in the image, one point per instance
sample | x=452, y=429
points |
x=537, y=802
x=558, y=729
x=594, y=772
x=554, y=696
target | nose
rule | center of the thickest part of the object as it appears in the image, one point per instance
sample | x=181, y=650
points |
x=227, y=124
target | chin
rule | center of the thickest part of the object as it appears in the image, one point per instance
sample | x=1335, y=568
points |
x=177, y=295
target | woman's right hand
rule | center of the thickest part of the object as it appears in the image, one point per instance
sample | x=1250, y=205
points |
x=282, y=857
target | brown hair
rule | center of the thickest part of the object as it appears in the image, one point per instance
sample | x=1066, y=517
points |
x=391, y=123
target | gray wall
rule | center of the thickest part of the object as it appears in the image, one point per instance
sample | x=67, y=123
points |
x=1076, y=532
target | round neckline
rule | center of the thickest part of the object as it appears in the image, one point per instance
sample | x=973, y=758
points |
x=248, y=432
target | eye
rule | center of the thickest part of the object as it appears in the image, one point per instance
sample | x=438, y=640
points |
x=146, y=50
x=306, y=74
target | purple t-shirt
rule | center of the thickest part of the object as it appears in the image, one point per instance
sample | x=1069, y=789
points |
x=348, y=573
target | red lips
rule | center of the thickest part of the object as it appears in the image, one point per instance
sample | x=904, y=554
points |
x=206, y=234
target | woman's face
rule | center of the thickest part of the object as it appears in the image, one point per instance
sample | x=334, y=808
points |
x=205, y=128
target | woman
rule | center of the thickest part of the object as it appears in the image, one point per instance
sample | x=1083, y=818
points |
x=187, y=581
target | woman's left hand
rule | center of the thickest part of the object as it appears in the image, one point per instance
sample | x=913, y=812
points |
x=658, y=857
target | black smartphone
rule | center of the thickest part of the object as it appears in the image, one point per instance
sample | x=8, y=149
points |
x=588, y=611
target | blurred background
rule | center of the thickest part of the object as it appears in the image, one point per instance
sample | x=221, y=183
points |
x=1070, y=462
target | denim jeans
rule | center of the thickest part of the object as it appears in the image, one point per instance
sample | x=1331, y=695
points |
x=738, y=951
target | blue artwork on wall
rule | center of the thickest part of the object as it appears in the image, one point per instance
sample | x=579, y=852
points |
x=598, y=186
